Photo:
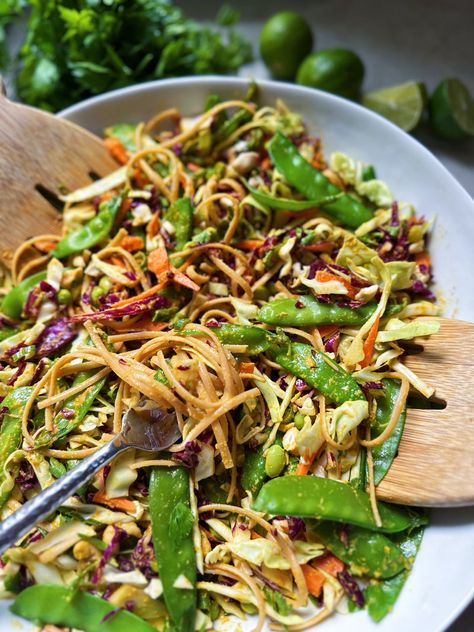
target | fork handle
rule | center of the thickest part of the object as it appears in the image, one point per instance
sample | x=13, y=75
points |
x=48, y=500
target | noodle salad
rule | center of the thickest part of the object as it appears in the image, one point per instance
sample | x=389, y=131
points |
x=229, y=272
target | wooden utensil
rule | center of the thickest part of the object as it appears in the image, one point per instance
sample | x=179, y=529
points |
x=435, y=462
x=39, y=155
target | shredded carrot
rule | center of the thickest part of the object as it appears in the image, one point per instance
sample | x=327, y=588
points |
x=250, y=244
x=116, y=150
x=324, y=276
x=105, y=196
x=116, y=503
x=323, y=246
x=327, y=330
x=117, y=261
x=369, y=343
x=156, y=288
x=45, y=245
x=423, y=259
x=305, y=463
x=153, y=225
x=265, y=164
x=184, y=280
x=329, y=563
x=192, y=166
x=158, y=262
x=314, y=579
x=246, y=367
x=132, y=243
x=139, y=178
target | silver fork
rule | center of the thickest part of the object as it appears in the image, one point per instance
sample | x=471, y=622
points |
x=145, y=427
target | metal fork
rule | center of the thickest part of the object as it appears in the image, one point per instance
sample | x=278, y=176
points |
x=145, y=427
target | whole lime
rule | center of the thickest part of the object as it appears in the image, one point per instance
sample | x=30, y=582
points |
x=452, y=110
x=335, y=70
x=285, y=40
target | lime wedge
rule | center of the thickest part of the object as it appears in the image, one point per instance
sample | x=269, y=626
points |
x=402, y=104
x=452, y=110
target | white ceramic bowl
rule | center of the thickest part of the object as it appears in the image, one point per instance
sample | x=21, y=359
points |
x=442, y=581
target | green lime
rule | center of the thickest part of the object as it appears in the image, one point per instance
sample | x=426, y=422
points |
x=402, y=104
x=452, y=110
x=335, y=70
x=285, y=40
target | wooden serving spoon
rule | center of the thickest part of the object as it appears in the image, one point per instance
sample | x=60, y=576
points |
x=40, y=153
x=435, y=462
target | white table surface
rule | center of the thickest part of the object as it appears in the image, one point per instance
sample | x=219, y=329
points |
x=426, y=40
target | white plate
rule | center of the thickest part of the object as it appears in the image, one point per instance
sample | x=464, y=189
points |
x=442, y=581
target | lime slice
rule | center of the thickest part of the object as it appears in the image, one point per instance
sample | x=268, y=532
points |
x=402, y=104
x=452, y=110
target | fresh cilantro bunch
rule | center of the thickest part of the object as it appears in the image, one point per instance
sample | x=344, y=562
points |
x=78, y=48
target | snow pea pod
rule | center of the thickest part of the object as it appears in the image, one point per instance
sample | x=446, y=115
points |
x=368, y=553
x=318, y=371
x=307, y=311
x=14, y=301
x=288, y=204
x=180, y=216
x=381, y=595
x=257, y=339
x=79, y=405
x=11, y=434
x=172, y=524
x=313, y=184
x=94, y=231
x=327, y=499
x=384, y=453
x=57, y=605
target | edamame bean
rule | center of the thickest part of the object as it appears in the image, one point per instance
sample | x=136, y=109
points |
x=274, y=461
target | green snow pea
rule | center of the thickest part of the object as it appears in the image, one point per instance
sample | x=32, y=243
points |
x=80, y=610
x=319, y=371
x=172, y=526
x=257, y=339
x=288, y=204
x=384, y=453
x=368, y=553
x=230, y=125
x=79, y=404
x=94, y=231
x=307, y=311
x=10, y=432
x=14, y=301
x=327, y=499
x=380, y=595
x=180, y=216
x=368, y=173
x=313, y=184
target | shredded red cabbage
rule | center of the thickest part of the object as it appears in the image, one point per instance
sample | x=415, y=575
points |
x=419, y=288
x=155, y=301
x=107, y=554
x=142, y=557
x=26, y=478
x=351, y=587
x=59, y=333
x=332, y=342
x=189, y=456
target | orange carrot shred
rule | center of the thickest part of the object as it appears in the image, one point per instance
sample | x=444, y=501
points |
x=158, y=262
x=314, y=579
x=116, y=150
x=116, y=503
x=265, y=164
x=369, y=343
x=423, y=259
x=250, y=244
x=153, y=225
x=327, y=330
x=45, y=245
x=324, y=276
x=185, y=281
x=329, y=563
x=132, y=243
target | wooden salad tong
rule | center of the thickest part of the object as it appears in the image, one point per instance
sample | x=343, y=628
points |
x=40, y=154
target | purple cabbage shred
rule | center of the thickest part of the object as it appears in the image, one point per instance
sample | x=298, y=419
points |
x=138, y=306
x=107, y=553
x=26, y=478
x=189, y=456
x=54, y=337
x=330, y=346
x=351, y=587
